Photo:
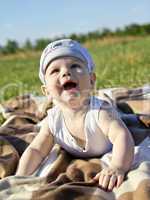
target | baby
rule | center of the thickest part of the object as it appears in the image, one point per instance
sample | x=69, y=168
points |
x=81, y=123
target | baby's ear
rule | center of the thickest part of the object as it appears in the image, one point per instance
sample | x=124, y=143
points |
x=93, y=79
x=46, y=93
x=44, y=90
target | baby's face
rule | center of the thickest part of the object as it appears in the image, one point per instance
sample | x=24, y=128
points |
x=67, y=79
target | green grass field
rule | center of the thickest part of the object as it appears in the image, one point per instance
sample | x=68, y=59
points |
x=119, y=62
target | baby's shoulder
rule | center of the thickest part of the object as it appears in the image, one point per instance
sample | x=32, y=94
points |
x=53, y=111
x=107, y=112
x=103, y=107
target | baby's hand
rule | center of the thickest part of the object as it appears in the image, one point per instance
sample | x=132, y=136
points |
x=109, y=177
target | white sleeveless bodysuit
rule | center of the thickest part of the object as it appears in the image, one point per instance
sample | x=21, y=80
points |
x=96, y=142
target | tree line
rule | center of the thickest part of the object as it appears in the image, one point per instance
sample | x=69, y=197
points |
x=12, y=46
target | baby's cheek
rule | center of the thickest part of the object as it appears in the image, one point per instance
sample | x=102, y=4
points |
x=79, y=70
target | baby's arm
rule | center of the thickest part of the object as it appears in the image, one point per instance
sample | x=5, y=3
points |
x=122, y=152
x=36, y=151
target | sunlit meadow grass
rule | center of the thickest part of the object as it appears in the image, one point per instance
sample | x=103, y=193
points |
x=122, y=62
x=119, y=62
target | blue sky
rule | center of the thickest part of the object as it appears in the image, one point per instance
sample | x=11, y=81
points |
x=35, y=19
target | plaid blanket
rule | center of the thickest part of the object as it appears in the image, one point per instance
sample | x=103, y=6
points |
x=63, y=176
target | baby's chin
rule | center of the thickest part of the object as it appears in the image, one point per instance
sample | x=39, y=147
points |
x=72, y=100
x=76, y=102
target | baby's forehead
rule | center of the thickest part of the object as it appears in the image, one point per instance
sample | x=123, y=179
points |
x=65, y=60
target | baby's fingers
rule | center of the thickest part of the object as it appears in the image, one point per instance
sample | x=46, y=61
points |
x=96, y=178
x=112, y=182
x=104, y=181
x=99, y=177
x=120, y=179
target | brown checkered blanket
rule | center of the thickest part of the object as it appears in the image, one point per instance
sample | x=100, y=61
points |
x=67, y=177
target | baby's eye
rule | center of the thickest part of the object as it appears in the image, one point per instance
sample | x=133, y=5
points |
x=75, y=66
x=54, y=71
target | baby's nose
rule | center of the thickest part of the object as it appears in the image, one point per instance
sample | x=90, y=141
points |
x=66, y=72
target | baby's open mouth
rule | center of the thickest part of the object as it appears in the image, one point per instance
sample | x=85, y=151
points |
x=69, y=85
